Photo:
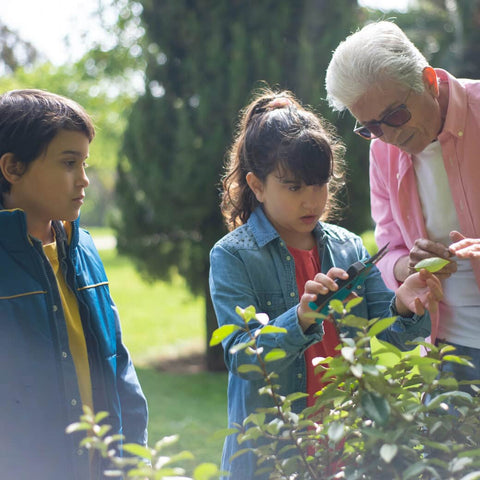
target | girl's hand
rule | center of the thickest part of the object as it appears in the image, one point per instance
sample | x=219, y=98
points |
x=464, y=247
x=420, y=291
x=320, y=285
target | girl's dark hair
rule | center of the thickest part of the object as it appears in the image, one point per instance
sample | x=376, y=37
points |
x=277, y=133
x=30, y=119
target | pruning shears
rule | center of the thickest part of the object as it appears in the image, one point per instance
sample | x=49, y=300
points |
x=357, y=274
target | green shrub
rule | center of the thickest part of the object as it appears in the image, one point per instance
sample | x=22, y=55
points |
x=370, y=421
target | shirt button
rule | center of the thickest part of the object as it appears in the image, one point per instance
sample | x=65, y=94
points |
x=79, y=452
x=73, y=402
x=269, y=303
x=281, y=244
x=460, y=133
x=292, y=294
x=288, y=257
x=54, y=308
x=359, y=287
x=64, y=354
x=299, y=375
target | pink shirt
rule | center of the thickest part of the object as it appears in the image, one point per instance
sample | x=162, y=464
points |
x=394, y=198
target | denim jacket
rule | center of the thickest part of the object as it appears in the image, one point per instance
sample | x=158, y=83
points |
x=39, y=394
x=252, y=266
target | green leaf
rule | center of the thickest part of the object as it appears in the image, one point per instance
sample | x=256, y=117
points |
x=206, y=471
x=248, y=313
x=249, y=368
x=432, y=264
x=138, y=450
x=241, y=346
x=336, y=431
x=255, y=418
x=295, y=396
x=348, y=353
x=456, y=359
x=272, y=329
x=222, y=433
x=388, y=452
x=336, y=306
x=100, y=416
x=221, y=333
x=353, y=303
x=275, y=354
x=78, y=426
x=381, y=325
x=166, y=441
x=354, y=321
x=376, y=407
x=357, y=370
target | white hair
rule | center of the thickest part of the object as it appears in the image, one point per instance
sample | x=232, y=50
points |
x=378, y=51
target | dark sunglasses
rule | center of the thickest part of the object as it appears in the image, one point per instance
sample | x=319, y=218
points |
x=396, y=118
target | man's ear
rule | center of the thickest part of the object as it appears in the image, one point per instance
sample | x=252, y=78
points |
x=430, y=80
x=256, y=185
x=11, y=168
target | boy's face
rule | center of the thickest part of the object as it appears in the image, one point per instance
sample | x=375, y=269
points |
x=53, y=186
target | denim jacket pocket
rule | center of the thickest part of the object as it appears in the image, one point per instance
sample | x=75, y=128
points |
x=271, y=303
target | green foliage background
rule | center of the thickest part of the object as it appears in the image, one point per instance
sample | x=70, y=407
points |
x=165, y=99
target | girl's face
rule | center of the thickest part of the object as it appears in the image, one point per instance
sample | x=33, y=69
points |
x=292, y=207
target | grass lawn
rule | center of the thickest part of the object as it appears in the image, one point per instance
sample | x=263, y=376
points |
x=163, y=320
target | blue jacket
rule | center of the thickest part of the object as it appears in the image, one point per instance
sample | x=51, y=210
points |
x=39, y=393
x=252, y=266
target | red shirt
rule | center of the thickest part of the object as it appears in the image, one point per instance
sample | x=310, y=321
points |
x=307, y=265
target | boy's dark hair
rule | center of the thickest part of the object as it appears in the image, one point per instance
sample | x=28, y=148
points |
x=30, y=119
x=277, y=133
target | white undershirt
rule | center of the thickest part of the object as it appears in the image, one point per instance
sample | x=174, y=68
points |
x=460, y=309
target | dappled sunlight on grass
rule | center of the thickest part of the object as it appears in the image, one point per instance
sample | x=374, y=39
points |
x=158, y=319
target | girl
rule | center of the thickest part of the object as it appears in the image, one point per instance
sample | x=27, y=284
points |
x=282, y=172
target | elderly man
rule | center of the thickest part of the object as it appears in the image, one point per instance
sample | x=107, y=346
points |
x=424, y=169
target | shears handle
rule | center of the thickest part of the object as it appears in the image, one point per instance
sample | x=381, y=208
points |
x=345, y=287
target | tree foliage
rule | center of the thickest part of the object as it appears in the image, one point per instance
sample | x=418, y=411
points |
x=105, y=81
x=14, y=51
x=204, y=59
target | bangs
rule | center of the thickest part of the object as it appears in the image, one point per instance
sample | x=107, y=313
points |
x=309, y=157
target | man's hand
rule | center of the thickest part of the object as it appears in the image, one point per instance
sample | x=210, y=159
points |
x=464, y=247
x=425, y=248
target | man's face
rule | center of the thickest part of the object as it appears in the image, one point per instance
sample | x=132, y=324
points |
x=384, y=97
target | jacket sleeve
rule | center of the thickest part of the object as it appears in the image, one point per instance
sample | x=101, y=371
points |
x=230, y=287
x=133, y=404
x=386, y=229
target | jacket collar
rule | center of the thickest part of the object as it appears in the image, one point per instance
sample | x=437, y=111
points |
x=14, y=223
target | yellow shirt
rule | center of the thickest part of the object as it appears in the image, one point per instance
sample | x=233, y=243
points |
x=76, y=337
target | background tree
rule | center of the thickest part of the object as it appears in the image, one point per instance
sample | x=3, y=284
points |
x=106, y=81
x=14, y=51
x=204, y=59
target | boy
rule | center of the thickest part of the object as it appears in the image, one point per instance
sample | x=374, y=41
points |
x=60, y=337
